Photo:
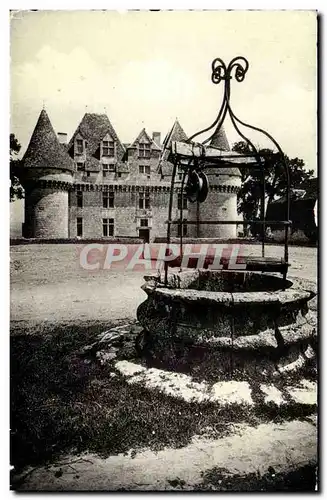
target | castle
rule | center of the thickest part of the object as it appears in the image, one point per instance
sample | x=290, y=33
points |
x=95, y=186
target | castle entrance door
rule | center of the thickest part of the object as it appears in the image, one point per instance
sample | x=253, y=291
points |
x=145, y=235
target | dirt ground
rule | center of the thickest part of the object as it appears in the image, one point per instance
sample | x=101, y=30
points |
x=241, y=454
x=48, y=285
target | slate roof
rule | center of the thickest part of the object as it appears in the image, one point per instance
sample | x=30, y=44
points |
x=44, y=149
x=93, y=128
x=176, y=133
x=138, y=138
x=219, y=139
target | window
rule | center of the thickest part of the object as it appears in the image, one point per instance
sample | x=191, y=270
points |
x=184, y=230
x=108, y=168
x=79, y=221
x=144, y=200
x=105, y=199
x=105, y=169
x=108, y=227
x=119, y=174
x=79, y=195
x=180, y=172
x=80, y=166
x=79, y=146
x=88, y=174
x=181, y=200
x=144, y=169
x=108, y=199
x=144, y=150
x=144, y=223
x=108, y=148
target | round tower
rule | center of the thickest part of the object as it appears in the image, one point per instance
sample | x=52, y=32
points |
x=47, y=175
x=221, y=202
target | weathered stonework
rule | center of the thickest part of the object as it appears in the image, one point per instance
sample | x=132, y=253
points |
x=46, y=203
x=86, y=167
x=235, y=323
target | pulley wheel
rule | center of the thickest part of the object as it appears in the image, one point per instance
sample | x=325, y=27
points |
x=203, y=193
x=196, y=187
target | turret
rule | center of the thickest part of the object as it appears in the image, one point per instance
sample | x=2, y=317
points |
x=47, y=175
x=221, y=202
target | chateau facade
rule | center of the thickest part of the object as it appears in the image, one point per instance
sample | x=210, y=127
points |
x=95, y=186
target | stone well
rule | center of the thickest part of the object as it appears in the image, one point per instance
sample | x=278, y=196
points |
x=230, y=324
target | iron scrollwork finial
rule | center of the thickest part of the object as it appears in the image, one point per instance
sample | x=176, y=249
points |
x=221, y=72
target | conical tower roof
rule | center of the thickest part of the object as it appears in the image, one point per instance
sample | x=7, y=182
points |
x=176, y=134
x=44, y=149
x=219, y=139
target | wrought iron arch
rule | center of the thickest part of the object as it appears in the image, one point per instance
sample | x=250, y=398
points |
x=236, y=69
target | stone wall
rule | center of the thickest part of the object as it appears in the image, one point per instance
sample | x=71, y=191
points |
x=126, y=212
x=50, y=205
x=218, y=206
x=46, y=203
x=46, y=213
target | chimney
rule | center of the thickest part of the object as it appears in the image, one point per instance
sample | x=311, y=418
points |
x=156, y=137
x=62, y=137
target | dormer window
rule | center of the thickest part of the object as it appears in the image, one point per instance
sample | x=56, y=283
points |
x=111, y=167
x=80, y=166
x=79, y=146
x=144, y=169
x=144, y=150
x=108, y=148
x=105, y=169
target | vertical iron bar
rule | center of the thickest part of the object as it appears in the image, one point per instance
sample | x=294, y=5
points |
x=288, y=180
x=263, y=216
x=197, y=219
x=232, y=325
x=181, y=217
x=170, y=209
x=288, y=205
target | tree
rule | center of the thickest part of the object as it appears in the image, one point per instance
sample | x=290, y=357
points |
x=249, y=196
x=16, y=190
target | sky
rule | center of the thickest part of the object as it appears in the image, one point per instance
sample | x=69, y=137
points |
x=145, y=69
